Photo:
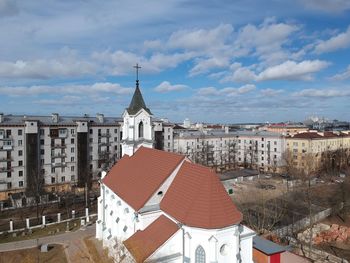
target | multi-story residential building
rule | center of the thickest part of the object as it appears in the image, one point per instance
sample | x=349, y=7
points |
x=285, y=129
x=223, y=149
x=312, y=144
x=57, y=152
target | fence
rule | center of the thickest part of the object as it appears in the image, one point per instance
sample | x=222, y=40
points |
x=48, y=219
x=305, y=222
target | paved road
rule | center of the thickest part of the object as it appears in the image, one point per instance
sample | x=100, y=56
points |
x=75, y=248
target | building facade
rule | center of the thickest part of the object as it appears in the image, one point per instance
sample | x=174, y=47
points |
x=223, y=149
x=157, y=206
x=313, y=144
x=55, y=152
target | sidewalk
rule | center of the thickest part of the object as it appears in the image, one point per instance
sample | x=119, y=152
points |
x=73, y=242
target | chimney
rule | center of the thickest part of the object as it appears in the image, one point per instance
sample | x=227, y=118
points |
x=100, y=117
x=2, y=117
x=55, y=117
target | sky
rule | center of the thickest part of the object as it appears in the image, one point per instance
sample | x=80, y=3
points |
x=224, y=61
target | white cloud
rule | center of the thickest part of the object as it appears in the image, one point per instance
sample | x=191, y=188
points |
x=290, y=70
x=201, y=39
x=46, y=68
x=342, y=76
x=270, y=92
x=329, y=6
x=229, y=91
x=266, y=40
x=204, y=65
x=339, y=41
x=325, y=93
x=97, y=88
x=121, y=62
x=165, y=86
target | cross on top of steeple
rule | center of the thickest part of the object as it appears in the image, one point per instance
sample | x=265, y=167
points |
x=137, y=67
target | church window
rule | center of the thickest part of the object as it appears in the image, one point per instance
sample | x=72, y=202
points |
x=117, y=220
x=200, y=255
x=125, y=228
x=141, y=129
x=126, y=210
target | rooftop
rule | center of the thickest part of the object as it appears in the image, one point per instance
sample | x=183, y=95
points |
x=143, y=173
x=266, y=246
x=143, y=244
x=197, y=198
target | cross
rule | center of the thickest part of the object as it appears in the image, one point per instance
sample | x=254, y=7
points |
x=137, y=71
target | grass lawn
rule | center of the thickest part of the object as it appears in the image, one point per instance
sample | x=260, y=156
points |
x=33, y=255
x=40, y=232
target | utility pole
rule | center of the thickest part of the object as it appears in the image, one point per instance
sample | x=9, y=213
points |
x=86, y=195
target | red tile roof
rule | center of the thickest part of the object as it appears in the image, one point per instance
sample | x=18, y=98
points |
x=136, y=178
x=197, y=198
x=315, y=135
x=144, y=243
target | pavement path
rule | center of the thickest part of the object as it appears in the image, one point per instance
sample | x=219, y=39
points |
x=74, y=244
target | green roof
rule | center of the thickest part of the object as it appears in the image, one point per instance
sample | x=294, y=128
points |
x=137, y=103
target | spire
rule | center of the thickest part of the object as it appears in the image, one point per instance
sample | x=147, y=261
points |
x=137, y=103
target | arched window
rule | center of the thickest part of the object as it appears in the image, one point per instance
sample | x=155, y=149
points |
x=141, y=129
x=200, y=255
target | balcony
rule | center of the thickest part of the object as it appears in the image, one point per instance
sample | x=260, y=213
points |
x=58, y=155
x=6, y=159
x=5, y=169
x=104, y=135
x=54, y=165
x=58, y=146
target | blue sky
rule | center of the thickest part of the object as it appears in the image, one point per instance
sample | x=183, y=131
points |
x=213, y=61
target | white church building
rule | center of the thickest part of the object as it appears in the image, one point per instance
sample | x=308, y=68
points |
x=157, y=206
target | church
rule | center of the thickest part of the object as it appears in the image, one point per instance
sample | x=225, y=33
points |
x=158, y=206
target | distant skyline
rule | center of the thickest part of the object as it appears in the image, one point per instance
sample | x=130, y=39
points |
x=210, y=61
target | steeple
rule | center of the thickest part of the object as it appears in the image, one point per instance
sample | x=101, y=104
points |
x=137, y=103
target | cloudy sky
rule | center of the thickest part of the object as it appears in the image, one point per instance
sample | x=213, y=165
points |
x=214, y=61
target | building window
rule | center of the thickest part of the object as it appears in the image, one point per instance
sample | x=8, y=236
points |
x=20, y=183
x=72, y=141
x=72, y=131
x=9, y=185
x=115, y=130
x=72, y=178
x=115, y=139
x=91, y=131
x=42, y=141
x=63, y=179
x=42, y=132
x=72, y=168
x=20, y=173
x=20, y=132
x=200, y=255
x=72, y=159
x=53, y=180
x=42, y=151
x=8, y=174
x=20, y=163
x=141, y=129
x=72, y=150
x=52, y=169
x=19, y=142
x=20, y=153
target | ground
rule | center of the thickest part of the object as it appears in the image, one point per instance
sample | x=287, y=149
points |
x=78, y=246
x=33, y=255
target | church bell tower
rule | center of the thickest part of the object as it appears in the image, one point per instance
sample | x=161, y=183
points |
x=137, y=127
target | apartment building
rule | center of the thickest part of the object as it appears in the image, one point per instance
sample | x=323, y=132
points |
x=223, y=149
x=285, y=128
x=55, y=151
x=301, y=145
